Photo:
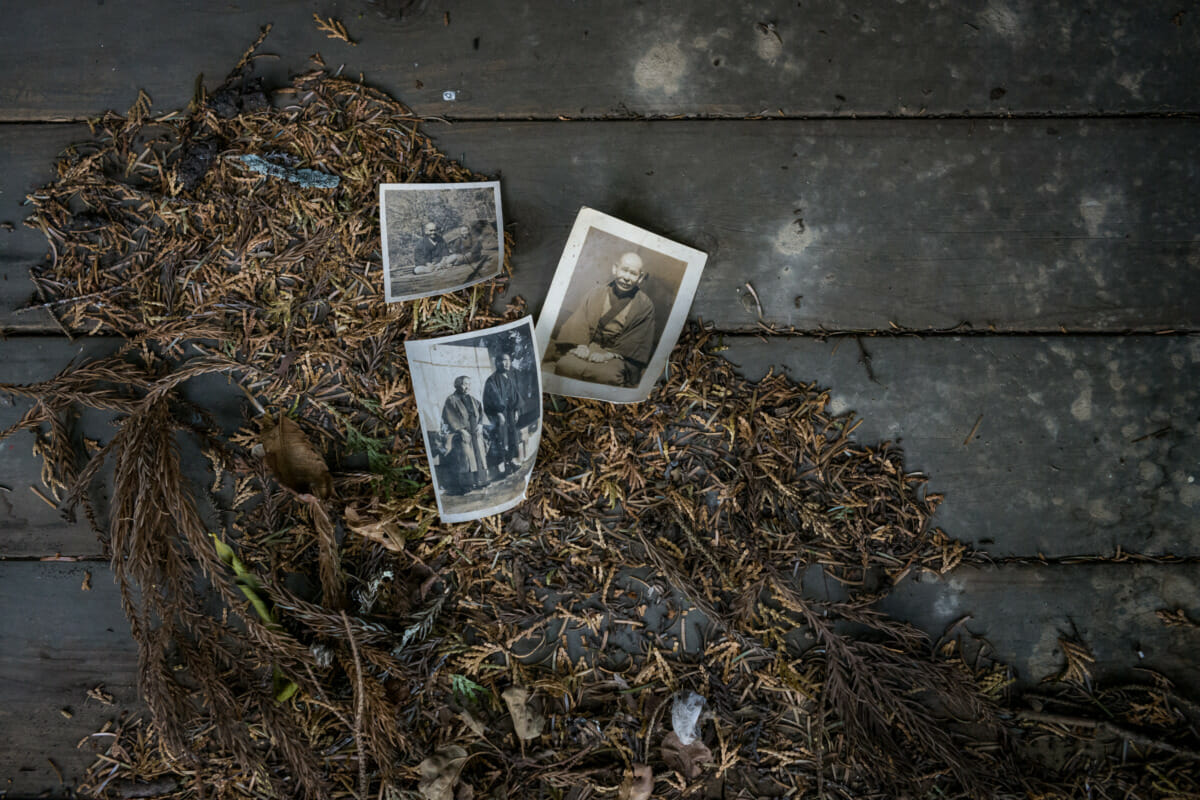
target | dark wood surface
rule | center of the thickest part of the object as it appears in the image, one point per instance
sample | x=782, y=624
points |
x=59, y=642
x=546, y=58
x=1022, y=173
x=1022, y=611
x=31, y=526
x=1084, y=443
x=1080, y=225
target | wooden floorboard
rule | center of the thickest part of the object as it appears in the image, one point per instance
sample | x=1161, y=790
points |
x=59, y=642
x=546, y=58
x=1083, y=444
x=1022, y=611
x=1053, y=446
x=27, y=162
x=31, y=525
x=1007, y=226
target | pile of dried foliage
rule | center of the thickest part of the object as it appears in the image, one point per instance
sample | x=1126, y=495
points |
x=361, y=648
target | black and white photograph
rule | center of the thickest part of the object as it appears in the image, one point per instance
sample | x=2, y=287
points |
x=439, y=237
x=615, y=308
x=479, y=396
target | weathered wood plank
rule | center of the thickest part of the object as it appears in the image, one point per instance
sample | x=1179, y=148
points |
x=1016, y=226
x=32, y=527
x=869, y=224
x=1083, y=444
x=27, y=156
x=1022, y=612
x=58, y=642
x=543, y=58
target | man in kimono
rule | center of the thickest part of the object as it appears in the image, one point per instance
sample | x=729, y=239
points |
x=462, y=418
x=611, y=333
x=502, y=404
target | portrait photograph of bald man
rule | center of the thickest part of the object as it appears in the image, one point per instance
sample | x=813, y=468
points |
x=615, y=308
x=439, y=237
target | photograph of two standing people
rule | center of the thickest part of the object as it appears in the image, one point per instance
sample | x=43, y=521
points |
x=480, y=399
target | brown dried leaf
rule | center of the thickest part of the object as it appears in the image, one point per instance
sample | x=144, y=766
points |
x=439, y=773
x=686, y=759
x=384, y=532
x=527, y=723
x=473, y=722
x=293, y=460
x=638, y=784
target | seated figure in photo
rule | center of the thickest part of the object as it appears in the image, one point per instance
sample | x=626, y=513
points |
x=432, y=252
x=611, y=334
x=462, y=420
x=474, y=242
x=502, y=404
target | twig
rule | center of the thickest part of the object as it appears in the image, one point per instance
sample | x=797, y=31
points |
x=360, y=701
x=1111, y=729
x=974, y=428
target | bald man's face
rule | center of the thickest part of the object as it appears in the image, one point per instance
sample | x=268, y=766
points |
x=627, y=276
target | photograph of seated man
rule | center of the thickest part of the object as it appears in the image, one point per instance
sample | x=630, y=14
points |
x=614, y=309
x=612, y=333
x=430, y=251
x=438, y=238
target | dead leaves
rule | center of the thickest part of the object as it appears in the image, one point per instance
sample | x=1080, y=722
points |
x=334, y=29
x=526, y=721
x=1175, y=619
x=1079, y=661
x=638, y=784
x=439, y=773
x=293, y=460
x=381, y=531
x=686, y=759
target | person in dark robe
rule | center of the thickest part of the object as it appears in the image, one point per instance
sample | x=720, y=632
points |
x=611, y=334
x=502, y=404
x=462, y=417
x=475, y=244
x=430, y=251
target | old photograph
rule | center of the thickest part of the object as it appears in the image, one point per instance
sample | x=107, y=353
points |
x=439, y=237
x=615, y=308
x=479, y=395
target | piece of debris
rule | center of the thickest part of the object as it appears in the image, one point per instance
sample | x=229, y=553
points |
x=526, y=722
x=308, y=178
x=333, y=29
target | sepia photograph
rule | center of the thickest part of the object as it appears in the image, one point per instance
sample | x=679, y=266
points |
x=615, y=308
x=479, y=396
x=439, y=237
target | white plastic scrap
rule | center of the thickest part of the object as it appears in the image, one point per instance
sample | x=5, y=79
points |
x=685, y=716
